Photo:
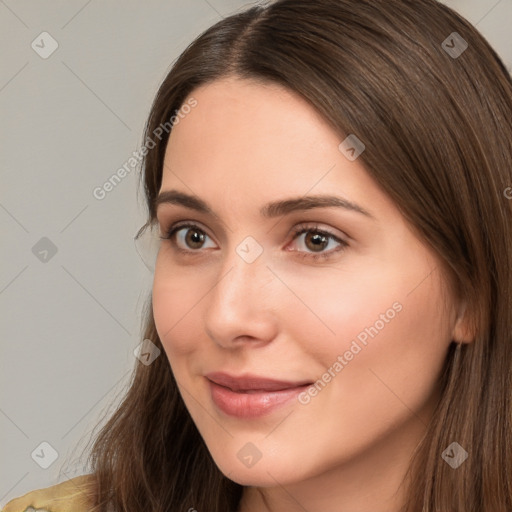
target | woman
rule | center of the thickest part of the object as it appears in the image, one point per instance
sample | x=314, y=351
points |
x=332, y=294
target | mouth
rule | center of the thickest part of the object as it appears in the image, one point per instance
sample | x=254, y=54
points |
x=251, y=397
x=249, y=383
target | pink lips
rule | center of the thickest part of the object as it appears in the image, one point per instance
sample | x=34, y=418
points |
x=250, y=396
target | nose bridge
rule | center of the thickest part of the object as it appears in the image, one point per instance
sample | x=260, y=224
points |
x=244, y=272
x=239, y=301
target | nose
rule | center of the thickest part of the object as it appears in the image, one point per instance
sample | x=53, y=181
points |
x=240, y=304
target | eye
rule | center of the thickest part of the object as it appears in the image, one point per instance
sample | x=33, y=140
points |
x=193, y=237
x=315, y=242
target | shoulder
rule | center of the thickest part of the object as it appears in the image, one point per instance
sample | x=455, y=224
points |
x=73, y=495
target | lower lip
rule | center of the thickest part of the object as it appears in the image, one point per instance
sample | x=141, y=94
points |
x=254, y=404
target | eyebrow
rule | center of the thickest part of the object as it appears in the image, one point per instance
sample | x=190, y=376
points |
x=270, y=210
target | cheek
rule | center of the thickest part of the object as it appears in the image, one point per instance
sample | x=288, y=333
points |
x=340, y=306
x=368, y=302
x=393, y=346
x=174, y=309
x=392, y=336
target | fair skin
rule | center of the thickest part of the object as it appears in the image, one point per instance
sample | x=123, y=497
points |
x=289, y=317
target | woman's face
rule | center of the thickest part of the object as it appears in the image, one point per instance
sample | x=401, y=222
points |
x=368, y=324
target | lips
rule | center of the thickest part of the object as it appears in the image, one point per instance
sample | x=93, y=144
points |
x=251, y=396
x=248, y=383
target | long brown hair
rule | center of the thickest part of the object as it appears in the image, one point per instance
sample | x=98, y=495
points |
x=437, y=126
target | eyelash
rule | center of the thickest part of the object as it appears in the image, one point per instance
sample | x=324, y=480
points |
x=297, y=231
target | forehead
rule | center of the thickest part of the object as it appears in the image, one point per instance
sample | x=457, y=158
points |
x=251, y=128
x=234, y=112
x=254, y=143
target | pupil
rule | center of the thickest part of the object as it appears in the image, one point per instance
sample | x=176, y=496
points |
x=317, y=240
x=196, y=237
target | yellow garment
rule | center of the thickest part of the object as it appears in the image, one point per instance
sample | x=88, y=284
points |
x=70, y=496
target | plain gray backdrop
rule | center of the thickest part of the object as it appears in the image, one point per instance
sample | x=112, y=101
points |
x=71, y=282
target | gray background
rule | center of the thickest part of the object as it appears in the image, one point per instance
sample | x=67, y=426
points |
x=69, y=324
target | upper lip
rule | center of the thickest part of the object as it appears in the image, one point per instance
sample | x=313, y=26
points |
x=249, y=382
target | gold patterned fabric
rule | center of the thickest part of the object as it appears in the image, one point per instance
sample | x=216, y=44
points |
x=73, y=495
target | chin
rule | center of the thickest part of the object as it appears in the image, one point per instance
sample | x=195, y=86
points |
x=264, y=473
x=254, y=477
